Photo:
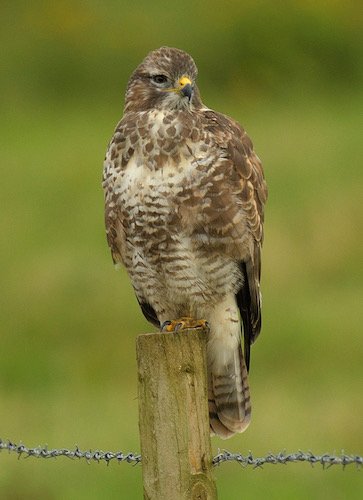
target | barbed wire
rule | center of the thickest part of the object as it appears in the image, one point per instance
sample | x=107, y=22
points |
x=326, y=460
x=89, y=456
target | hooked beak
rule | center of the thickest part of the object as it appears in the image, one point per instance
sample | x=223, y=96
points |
x=186, y=87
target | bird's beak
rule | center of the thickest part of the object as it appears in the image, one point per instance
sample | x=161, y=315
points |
x=185, y=87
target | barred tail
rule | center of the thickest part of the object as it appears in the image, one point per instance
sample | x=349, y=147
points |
x=229, y=394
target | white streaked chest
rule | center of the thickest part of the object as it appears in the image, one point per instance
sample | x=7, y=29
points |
x=141, y=189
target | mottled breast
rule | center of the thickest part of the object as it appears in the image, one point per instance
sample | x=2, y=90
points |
x=167, y=195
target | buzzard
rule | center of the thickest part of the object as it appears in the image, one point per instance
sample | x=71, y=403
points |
x=184, y=200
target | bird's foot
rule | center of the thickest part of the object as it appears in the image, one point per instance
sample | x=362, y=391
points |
x=184, y=323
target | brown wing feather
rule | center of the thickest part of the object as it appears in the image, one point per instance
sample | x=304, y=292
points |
x=250, y=188
x=118, y=154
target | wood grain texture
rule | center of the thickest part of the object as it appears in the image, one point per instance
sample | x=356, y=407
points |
x=173, y=416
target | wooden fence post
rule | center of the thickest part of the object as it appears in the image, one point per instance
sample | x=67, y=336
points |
x=173, y=416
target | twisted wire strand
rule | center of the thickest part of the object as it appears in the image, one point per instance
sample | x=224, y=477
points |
x=326, y=460
x=88, y=455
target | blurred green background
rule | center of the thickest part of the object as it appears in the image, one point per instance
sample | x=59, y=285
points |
x=292, y=74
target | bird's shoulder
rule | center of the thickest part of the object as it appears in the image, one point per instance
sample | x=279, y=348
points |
x=236, y=146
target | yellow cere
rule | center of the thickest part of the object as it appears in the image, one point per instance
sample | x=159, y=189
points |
x=184, y=80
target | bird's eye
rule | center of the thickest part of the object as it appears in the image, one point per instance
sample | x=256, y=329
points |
x=159, y=79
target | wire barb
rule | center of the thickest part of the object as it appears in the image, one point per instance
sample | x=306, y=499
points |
x=325, y=460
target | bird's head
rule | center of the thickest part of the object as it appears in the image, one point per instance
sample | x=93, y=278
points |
x=164, y=80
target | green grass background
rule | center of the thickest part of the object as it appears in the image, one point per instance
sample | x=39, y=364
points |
x=291, y=72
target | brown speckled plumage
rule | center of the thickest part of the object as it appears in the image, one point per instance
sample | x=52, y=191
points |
x=184, y=198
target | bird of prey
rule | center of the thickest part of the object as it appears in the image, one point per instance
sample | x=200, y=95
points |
x=184, y=202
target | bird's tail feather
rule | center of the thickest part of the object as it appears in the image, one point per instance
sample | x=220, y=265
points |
x=229, y=395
